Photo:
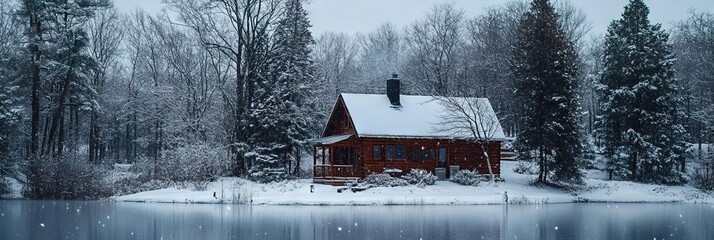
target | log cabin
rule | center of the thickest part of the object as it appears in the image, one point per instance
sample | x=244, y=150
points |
x=394, y=133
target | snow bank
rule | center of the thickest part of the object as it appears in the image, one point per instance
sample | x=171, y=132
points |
x=235, y=190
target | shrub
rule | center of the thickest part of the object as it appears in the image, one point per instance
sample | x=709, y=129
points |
x=703, y=177
x=66, y=177
x=384, y=180
x=266, y=175
x=523, y=167
x=467, y=178
x=420, y=177
x=193, y=162
x=122, y=180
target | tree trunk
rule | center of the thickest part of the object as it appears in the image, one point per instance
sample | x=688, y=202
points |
x=484, y=150
x=543, y=170
x=298, y=158
x=94, y=138
x=128, y=141
x=36, y=32
x=35, y=119
x=633, y=167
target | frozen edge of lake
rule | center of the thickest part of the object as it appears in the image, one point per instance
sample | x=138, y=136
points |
x=297, y=192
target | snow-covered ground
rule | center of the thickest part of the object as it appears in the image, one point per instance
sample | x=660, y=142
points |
x=234, y=190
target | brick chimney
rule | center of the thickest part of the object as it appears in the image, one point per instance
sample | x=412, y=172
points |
x=393, y=85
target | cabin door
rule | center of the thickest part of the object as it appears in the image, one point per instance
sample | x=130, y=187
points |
x=442, y=160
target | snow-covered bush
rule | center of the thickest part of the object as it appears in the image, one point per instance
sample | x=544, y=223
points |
x=522, y=199
x=67, y=177
x=269, y=165
x=192, y=162
x=196, y=162
x=122, y=180
x=384, y=180
x=703, y=177
x=466, y=177
x=266, y=175
x=524, y=167
x=420, y=177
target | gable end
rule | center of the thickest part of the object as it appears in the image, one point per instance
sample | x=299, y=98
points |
x=340, y=121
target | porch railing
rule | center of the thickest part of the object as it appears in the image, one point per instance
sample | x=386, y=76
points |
x=333, y=171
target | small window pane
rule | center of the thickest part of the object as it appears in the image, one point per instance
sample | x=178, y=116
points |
x=442, y=154
x=428, y=154
x=375, y=153
x=412, y=154
x=390, y=152
x=399, y=152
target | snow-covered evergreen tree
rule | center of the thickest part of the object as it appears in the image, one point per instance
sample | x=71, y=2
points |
x=285, y=110
x=545, y=70
x=640, y=115
x=10, y=99
x=61, y=71
x=8, y=120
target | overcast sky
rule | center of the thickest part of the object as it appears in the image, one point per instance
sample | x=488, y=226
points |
x=366, y=15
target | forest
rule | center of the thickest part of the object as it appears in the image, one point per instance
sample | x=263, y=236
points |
x=213, y=88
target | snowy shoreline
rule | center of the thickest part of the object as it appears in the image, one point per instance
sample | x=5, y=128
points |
x=297, y=192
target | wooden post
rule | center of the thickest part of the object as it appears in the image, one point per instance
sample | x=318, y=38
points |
x=323, y=154
x=332, y=162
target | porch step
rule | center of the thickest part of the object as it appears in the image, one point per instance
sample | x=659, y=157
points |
x=335, y=181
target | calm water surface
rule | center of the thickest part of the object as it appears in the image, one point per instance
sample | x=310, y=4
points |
x=103, y=220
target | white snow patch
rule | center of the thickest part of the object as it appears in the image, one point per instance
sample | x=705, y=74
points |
x=297, y=192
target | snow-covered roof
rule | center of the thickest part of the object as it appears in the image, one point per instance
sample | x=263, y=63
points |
x=332, y=139
x=420, y=116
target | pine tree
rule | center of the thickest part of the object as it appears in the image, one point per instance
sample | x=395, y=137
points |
x=60, y=70
x=545, y=70
x=640, y=117
x=10, y=98
x=8, y=120
x=285, y=108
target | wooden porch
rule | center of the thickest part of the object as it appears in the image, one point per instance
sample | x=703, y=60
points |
x=334, y=162
x=334, y=174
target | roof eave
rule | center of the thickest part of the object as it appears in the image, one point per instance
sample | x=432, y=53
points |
x=427, y=137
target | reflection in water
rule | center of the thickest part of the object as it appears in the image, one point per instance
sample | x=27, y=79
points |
x=102, y=220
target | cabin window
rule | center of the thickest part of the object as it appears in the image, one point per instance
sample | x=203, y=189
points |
x=389, y=151
x=399, y=152
x=345, y=156
x=376, y=152
x=418, y=154
x=428, y=154
x=413, y=154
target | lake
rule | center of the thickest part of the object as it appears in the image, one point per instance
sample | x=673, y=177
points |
x=109, y=220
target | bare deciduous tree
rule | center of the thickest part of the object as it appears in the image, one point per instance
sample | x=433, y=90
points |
x=105, y=33
x=336, y=70
x=239, y=29
x=472, y=119
x=433, y=55
x=381, y=56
